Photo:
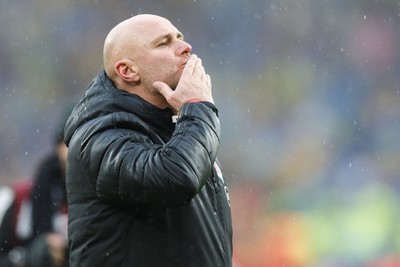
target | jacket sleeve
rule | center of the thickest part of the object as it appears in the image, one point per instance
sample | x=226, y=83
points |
x=134, y=169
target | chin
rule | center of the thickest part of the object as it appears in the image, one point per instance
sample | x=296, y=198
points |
x=173, y=86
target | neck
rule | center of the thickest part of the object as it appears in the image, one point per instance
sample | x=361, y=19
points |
x=152, y=97
x=146, y=94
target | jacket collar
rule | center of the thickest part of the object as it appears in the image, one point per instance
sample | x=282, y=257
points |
x=120, y=100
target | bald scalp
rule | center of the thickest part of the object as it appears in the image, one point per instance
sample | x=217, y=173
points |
x=124, y=39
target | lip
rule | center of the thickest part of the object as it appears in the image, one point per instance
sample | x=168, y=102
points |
x=186, y=57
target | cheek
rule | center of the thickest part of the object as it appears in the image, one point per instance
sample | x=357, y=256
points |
x=159, y=70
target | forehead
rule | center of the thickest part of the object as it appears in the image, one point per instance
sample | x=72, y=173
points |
x=149, y=30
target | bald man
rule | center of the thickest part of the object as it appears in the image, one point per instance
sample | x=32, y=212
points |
x=144, y=184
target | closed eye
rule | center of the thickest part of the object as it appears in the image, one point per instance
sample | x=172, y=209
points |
x=166, y=39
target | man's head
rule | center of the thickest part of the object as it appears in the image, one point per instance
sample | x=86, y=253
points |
x=144, y=49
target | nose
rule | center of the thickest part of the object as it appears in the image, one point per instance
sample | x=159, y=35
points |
x=183, y=48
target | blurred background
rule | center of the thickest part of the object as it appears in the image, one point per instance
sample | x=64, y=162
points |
x=309, y=99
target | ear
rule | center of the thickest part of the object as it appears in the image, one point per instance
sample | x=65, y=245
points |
x=127, y=70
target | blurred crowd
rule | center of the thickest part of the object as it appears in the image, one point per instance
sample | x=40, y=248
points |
x=309, y=100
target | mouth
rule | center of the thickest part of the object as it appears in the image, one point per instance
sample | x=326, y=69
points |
x=186, y=57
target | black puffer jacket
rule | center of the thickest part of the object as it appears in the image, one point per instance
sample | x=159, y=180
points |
x=142, y=192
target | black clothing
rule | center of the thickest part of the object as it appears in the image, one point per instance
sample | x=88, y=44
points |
x=48, y=197
x=142, y=192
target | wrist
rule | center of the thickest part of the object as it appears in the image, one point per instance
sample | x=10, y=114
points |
x=194, y=100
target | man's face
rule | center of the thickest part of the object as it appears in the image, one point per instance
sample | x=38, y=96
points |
x=161, y=53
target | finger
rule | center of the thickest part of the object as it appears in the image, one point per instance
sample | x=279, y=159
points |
x=203, y=76
x=162, y=88
x=208, y=80
x=190, y=65
x=199, y=69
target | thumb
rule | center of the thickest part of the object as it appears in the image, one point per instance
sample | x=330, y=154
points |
x=162, y=88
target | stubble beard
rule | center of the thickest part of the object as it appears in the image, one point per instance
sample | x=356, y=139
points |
x=172, y=81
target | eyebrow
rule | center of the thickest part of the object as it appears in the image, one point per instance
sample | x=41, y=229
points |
x=166, y=36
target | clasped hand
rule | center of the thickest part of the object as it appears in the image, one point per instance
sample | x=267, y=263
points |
x=194, y=84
